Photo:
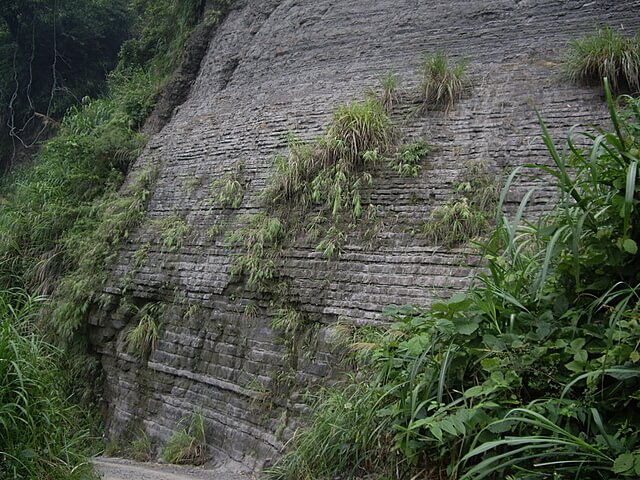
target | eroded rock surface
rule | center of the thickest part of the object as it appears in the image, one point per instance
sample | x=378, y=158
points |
x=275, y=66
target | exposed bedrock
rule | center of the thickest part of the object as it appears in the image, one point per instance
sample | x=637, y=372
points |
x=278, y=66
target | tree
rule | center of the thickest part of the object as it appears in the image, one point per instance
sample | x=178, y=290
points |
x=53, y=53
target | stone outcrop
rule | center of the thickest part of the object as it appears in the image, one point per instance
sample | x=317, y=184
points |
x=275, y=66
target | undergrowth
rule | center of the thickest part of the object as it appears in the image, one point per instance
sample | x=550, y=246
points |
x=42, y=433
x=188, y=444
x=532, y=373
x=606, y=53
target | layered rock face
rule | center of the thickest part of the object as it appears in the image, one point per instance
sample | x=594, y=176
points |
x=276, y=66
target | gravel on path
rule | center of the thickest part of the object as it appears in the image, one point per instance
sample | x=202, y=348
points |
x=121, y=469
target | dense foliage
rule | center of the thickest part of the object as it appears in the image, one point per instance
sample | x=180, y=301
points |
x=42, y=433
x=51, y=55
x=62, y=216
x=533, y=373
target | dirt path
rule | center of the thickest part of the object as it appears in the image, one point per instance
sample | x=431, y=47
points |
x=120, y=469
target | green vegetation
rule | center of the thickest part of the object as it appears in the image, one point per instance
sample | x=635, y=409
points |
x=228, y=191
x=143, y=338
x=261, y=239
x=532, y=373
x=469, y=213
x=173, y=230
x=63, y=216
x=330, y=171
x=187, y=445
x=51, y=55
x=442, y=84
x=389, y=95
x=408, y=160
x=607, y=53
x=141, y=449
x=42, y=433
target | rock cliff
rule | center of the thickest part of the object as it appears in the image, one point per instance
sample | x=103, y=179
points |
x=275, y=66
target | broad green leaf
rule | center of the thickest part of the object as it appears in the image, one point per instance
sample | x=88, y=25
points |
x=630, y=246
x=623, y=463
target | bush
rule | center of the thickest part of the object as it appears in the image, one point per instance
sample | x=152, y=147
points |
x=606, y=53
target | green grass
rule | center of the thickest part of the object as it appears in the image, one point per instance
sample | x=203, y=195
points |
x=469, y=213
x=228, y=191
x=42, y=434
x=606, y=53
x=143, y=338
x=261, y=241
x=173, y=231
x=187, y=445
x=141, y=448
x=442, y=84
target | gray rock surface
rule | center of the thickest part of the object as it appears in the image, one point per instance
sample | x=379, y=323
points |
x=280, y=65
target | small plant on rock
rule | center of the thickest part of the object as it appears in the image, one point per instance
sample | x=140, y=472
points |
x=261, y=238
x=442, y=84
x=187, y=445
x=606, y=53
x=173, y=230
x=408, y=160
x=143, y=338
x=468, y=214
x=228, y=191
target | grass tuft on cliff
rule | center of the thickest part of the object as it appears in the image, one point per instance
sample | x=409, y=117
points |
x=442, y=84
x=607, y=53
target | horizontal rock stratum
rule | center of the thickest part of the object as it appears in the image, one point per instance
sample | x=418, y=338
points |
x=278, y=66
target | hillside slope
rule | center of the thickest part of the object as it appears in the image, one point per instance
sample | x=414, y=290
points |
x=279, y=66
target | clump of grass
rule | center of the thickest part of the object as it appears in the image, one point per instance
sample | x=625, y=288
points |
x=407, y=161
x=338, y=442
x=606, y=53
x=173, y=230
x=141, y=449
x=468, y=214
x=442, y=84
x=389, y=95
x=187, y=445
x=357, y=128
x=143, y=338
x=228, y=191
x=330, y=171
x=261, y=239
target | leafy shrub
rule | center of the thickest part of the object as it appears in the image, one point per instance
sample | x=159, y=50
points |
x=187, y=445
x=408, y=160
x=606, y=53
x=442, y=84
x=533, y=372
